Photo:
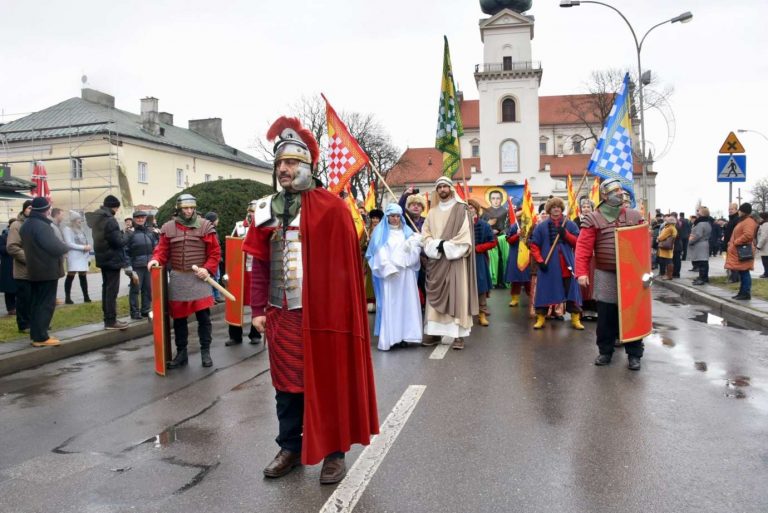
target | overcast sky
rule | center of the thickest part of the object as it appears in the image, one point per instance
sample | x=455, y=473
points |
x=246, y=61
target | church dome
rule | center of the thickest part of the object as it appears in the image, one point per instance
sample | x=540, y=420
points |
x=491, y=7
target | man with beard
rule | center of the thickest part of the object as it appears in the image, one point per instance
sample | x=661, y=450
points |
x=307, y=294
x=451, y=274
x=188, y=240
x=497, y=216
x=596, y=241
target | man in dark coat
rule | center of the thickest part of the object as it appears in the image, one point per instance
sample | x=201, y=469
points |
x=16, y=250
x=684, y=231
x=43, y=251
x=7, y=283
x=733, y=219
x=109, y=246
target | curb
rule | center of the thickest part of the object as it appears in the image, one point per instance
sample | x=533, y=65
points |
x=35, y=356
x=721, y=307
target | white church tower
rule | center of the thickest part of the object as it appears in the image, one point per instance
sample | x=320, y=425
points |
x=508, y=87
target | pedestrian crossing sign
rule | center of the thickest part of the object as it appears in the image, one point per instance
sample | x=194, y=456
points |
x=731, y=168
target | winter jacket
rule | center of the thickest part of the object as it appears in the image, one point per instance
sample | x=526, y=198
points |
x=667, y=231
x=698, y=246
x=743, y=233
x=684, y=228
x=716, y=237
x=16, y=250
x=762, y=239
x=42, y=248
x=140, y=245
x=728, y=228
x=108, y=240
x=7, y=283
x=77, y=258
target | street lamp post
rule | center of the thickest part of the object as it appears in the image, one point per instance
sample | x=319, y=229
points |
x=683, y=18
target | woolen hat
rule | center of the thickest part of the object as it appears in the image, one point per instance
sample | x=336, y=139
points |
x=212, y=216
x=40, y=204
x=111, y=202
x=746, y=208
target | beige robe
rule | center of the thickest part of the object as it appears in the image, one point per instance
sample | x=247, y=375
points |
x=459, y=247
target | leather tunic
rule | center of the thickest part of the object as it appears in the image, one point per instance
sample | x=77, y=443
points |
x=187, y=246
x=605, y=243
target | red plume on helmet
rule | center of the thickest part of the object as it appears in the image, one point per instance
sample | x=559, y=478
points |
x=284, y=122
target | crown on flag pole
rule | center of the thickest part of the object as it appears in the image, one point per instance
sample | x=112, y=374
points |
x=345, y=156
x=612, y=157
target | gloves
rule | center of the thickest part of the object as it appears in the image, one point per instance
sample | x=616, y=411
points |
x=440, y=247
x=543, y=267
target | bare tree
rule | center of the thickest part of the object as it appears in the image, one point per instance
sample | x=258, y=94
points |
x=592, y=109
x=369, y=132
x=760, y=195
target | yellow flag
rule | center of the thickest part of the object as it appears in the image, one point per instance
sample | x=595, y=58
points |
x=573, y=205
x=526, y=226
x=359, y=224
x=370, y=198
x=594, y=192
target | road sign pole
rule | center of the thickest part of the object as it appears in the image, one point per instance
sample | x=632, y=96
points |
x=730, y=193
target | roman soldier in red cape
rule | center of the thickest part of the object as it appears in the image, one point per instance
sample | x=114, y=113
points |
x=307, y=293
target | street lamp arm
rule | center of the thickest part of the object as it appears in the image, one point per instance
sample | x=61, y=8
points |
x=640, y=46
x=743, y=130
x=631, y=29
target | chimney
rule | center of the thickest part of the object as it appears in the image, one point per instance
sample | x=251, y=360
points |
x=209, y=128
x=429, y=162
x=149, y=115
x=165, y=117
x=94, y=96
x=459, y=96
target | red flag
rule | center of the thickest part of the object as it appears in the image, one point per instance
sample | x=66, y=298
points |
x=40, y=179
x=512, y=216
x=462, y=192
x=345, y=156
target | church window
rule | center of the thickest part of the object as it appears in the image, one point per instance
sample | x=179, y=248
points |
x=508, y=108
x=507, y=63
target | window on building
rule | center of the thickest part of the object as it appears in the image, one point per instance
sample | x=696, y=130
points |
x=578, y=144
x=507, y=64
x=508, y=111
x=543, y=145
x=207, y=177
x=180, y=178
x=510, y=157
x=143, y=173
x=76, y=168
x=476, y=150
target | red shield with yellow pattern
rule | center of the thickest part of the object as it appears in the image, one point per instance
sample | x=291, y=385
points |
x=161, y=321
x=234, y=267
x=633, y=272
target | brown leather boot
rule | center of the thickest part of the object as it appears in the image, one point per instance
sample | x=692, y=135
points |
x=458, y=344
x=431, y=340
x=283, y=463
x=669, y=271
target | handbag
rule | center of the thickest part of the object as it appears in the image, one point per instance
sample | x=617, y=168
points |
x=745, y=252
x=667, y=243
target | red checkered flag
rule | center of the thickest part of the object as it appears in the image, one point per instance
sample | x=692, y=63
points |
x=345, y=156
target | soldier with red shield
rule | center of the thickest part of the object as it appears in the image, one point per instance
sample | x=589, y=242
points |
x=597, y=241
x=244, y=276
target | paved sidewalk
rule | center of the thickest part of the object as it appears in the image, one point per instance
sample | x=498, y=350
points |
x=754, y=311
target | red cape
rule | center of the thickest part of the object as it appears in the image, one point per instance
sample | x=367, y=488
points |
x=339, y=390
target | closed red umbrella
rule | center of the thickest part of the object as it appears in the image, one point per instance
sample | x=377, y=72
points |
x=40, y=179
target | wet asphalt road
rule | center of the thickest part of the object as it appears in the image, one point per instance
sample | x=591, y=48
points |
x=519, y=421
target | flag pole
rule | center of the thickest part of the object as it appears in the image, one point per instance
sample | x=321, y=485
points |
x=407, y=217
x=565, y=217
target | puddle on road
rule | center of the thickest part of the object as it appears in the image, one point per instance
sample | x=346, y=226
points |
x=662, y=326
x=657, y=337
x=715, y=320
x=189, y=434
x=734, y=387
x=700, y=366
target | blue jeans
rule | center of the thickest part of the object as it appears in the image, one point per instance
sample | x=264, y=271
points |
x=215, y=291
x=746, y=282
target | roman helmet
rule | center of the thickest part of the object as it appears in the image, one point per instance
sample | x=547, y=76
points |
x=293, y=141
x=184, y=201
x=611, y=192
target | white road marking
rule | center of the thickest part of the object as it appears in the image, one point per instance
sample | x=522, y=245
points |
x=440, y=351
x=349, y=491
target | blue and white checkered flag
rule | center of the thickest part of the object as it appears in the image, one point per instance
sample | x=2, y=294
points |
x=612, y=157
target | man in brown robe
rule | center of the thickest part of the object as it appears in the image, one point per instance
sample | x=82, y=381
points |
x=451, y=278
